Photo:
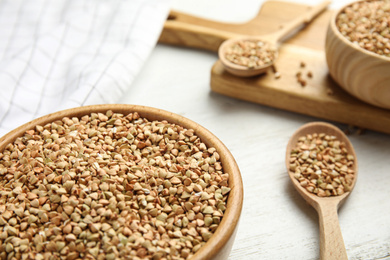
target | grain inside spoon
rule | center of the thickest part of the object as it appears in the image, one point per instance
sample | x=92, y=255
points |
x=264, y=47
x=331, y=240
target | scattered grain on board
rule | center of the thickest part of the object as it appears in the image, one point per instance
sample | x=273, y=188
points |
x=366, y=24
x=109, y=186
x=329, y=91
x=322, y=165
x=302, y=82
x=300, y=74
x=351, y=129
x=277, y=74
x=300, y=79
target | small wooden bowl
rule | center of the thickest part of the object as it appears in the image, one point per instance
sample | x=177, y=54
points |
x=361, y=73
x=220, y=243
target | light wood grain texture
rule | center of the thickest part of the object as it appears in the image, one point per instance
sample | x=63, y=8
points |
x=186, y=30
x=219, y=245
x=286, y=93
x=272, y=40
x=362, y=73
x=331, y=239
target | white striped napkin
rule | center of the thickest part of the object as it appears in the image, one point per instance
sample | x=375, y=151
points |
x=69, y=53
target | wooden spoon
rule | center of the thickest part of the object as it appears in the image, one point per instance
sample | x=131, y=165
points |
x=272, y=40
x=331, y=240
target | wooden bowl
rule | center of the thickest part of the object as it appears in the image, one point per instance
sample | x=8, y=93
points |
x=220, y=243
x=361, y=73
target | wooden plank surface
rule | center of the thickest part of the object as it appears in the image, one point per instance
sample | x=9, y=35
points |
x=190, y=31
x=285, y=93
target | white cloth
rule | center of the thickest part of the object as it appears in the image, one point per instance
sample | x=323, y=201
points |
x=69, y=53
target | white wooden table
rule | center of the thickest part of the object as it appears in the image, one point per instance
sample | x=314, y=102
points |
x=275, y=223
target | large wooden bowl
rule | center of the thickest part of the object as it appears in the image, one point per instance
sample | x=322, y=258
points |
x=220, y=244
x=363, y=74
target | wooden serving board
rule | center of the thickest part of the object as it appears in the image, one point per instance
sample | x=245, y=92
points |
x=321, y=97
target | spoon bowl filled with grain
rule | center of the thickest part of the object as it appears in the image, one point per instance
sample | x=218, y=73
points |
x=248, y=56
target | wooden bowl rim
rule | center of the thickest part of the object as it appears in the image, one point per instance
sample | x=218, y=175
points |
x=348, y=42
x=231, y=217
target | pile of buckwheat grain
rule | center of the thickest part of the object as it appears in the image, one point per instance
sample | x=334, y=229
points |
x=250, y=53
x=322, y=165
x=367, y=24
x=109, y=186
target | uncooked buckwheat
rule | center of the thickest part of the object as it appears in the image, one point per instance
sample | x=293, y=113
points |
x=367, y=24
x=109, y=186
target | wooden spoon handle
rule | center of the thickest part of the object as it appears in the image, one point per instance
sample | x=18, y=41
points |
x=297, y=22
x=331, y=239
